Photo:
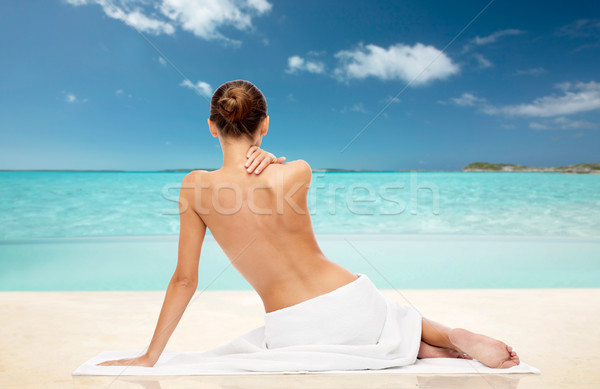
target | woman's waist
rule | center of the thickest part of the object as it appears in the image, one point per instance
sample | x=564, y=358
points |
x=298, y=286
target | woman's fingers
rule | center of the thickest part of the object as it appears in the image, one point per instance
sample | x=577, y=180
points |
x=259, y=159
x=252, y=158
x=265, y=162
x=252, y=153
x=251, y=150
x=115, y=362
x=125, y=362
x=256, y=162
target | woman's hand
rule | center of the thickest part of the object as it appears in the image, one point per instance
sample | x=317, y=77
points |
x=143, y=360
x=259, y=159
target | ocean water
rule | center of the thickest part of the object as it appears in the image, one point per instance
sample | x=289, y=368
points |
x=99, y=204
x=391, y=261
x=118, y=231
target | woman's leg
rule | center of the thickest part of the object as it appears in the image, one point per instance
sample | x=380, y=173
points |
x=486, y=350
x=436, y=334
x=428, y=351
x=435, y=342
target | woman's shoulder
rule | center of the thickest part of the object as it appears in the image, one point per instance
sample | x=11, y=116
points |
x=298, y=170
x=193, y=177
x=299, y=165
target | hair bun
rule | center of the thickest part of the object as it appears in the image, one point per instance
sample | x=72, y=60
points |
x=235, y=104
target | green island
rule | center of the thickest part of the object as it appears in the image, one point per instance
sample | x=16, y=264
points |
x=580, y=168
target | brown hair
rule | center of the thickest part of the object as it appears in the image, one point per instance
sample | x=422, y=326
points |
x=237, y=108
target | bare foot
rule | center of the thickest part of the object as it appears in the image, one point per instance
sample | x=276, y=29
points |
x=491, y=352
x=428, y=351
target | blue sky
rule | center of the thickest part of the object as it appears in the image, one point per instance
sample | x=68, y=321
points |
x=81, y=87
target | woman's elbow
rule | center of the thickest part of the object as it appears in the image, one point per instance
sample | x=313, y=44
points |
x=185, y=282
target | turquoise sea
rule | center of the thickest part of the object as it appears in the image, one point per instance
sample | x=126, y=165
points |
x=86, y=204
x=117, y=230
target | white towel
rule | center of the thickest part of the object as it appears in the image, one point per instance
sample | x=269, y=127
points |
x=353, y=328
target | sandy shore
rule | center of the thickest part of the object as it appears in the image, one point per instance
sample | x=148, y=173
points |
x=46, y=335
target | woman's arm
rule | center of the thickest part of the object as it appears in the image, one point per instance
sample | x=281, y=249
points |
x=184, y=281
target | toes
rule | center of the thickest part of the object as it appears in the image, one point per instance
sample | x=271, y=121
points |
x=511, y=362
x=507, y=364
x=458, y=355
x=452, y=354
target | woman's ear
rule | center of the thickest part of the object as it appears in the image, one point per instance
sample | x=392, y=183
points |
x=213, y=128
x=264, y=126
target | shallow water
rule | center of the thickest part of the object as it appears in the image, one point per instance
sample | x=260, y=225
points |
x=391, y=261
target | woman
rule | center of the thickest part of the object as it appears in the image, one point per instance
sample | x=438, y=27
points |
x=261, y=221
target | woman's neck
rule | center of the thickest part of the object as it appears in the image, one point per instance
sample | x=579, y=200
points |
x=234, y=152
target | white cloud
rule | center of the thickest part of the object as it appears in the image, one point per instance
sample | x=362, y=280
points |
x=467, y=100
x=530, y=72
x=538, y=126
x=201, y=87
x=140, y=21
x=486, y=40
x=162, y=61
x=420, y=64
x=297, y=64
x=204, y=18
x=358, y=107
x=483, y=62
x=577, y=97
x=131, y=13
x=121, y=92
x=587, y=30
x=260, y=5
x=581, y=28
x=72, y=98
x=495, y=36
x=563, y=123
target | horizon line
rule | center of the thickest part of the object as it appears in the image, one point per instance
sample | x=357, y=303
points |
x=333, y=170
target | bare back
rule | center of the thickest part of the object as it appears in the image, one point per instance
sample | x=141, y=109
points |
x=263, y=225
